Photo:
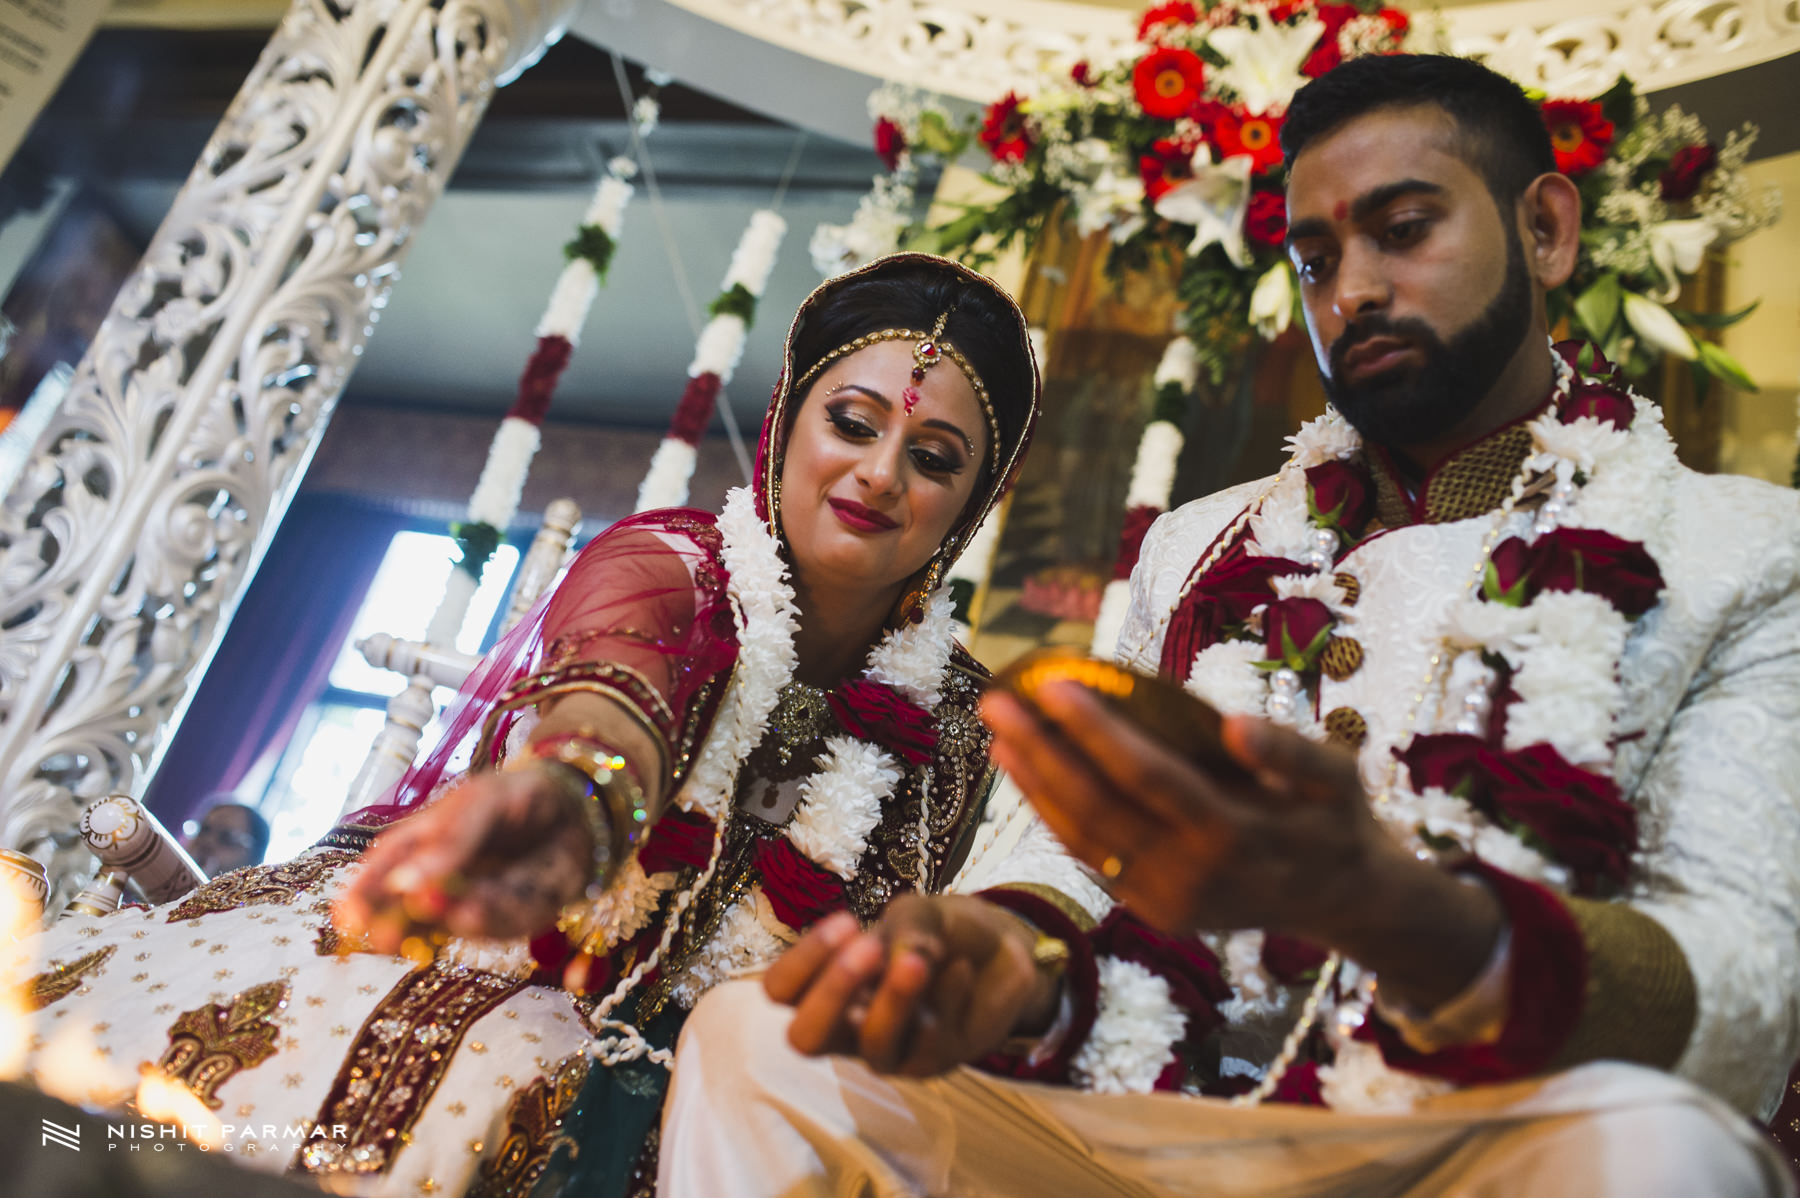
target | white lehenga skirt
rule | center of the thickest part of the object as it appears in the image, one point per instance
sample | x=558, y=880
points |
x=369, y=1074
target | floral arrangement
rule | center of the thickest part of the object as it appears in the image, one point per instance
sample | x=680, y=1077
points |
x=1657, y=195
x=1174, y=153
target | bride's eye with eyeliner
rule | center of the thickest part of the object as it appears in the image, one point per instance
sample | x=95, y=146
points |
x=851, y=426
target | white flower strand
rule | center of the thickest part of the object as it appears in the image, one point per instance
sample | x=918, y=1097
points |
x=495, y=500
x=1136, y=1028
x=577, y=285
x=840, y=804
x=671, y=472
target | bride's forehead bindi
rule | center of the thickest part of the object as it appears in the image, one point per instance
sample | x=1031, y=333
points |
x=1342, y=211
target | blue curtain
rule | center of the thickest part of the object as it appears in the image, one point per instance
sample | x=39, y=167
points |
x=278, y=651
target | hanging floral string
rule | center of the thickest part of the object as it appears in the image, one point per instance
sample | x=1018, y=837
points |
x=716, y=355
x=1152, y=482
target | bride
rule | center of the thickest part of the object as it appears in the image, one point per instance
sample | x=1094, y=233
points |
x=714, y=733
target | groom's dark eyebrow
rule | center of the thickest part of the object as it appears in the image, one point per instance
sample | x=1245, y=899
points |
x=887, y=405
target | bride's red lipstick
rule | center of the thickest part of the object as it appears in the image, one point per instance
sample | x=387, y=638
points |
x=862, y=519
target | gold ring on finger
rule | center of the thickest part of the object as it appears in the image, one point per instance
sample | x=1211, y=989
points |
x=1112, y=867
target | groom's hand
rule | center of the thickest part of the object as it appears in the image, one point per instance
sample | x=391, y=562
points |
x=939, y=981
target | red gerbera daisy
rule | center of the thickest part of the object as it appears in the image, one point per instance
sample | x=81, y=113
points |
x=1168, y=81
x=1239, y=132
x=1178, y=13
x=1579, y=134
x=1003, y=132
x=890, y=143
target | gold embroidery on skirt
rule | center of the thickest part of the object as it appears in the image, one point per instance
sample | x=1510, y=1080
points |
x=261, y=884
x=211, y=1044
x=60, y=981
x=533, y=1132
x=394, y=1065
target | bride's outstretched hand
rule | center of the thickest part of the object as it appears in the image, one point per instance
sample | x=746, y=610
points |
x=497, y=856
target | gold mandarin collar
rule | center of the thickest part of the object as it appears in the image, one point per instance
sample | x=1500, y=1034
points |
x=1471, y=482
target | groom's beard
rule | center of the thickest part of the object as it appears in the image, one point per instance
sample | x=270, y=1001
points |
x=1417, y=405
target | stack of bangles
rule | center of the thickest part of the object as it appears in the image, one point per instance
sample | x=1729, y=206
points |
x=603, y=784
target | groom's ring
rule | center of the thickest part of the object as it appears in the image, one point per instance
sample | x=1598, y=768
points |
x=1112, y=867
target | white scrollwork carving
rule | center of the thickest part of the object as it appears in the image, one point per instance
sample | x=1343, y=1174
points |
x=132, y=528
x=980, y=49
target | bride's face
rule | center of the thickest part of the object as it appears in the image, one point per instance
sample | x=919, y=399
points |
x=869, y=491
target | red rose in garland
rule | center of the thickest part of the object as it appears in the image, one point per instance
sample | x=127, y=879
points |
x=890, y=143
x=875, y=711
x=680, y=840
x=1606, y=404
x=1159, y=15
x=1687, y=170
x=1266, y=221
x=1222, y=600
x=1167, y=81
x=1239, y=132
x=1003, y=130
x=1340, y=496
x=1579, y=134
x=1576, y=815
x=1081, y=74
x=1295, y=632
x=1288, y=959
x=1574, y=559
x=1328, y=54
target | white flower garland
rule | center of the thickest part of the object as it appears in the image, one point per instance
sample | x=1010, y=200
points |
x=1564, y=649
x=577, y=285
x=496, y=497
x=671, y=471
x=1136, y=1025
x=840, y=803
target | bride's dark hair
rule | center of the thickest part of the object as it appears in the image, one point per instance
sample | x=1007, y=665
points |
x=912, y=295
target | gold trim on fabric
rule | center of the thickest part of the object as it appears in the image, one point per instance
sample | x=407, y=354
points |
x=60, y=981
x=1076, y=913
x=210, y=1045
x=1641, y=1000
x=394, y=1065
x=1471, y=482
x=533, y=1133
x=261, y=884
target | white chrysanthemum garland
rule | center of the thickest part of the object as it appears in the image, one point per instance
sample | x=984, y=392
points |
x=717, y=353
x=840, y=803
x=1563, y=650
x=1152, y=483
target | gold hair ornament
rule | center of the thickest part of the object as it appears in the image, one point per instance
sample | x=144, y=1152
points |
x=928, y=350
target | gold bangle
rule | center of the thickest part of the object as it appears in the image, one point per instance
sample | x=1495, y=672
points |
x=614, y=804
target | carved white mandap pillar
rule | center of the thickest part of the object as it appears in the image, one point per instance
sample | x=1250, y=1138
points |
x=129, y=536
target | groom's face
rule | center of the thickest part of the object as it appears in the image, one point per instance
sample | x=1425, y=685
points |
x=1414, y=284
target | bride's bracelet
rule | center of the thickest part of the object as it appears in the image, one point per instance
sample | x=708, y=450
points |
x=602, y=782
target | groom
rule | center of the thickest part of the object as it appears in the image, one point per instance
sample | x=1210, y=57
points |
x=1539, y=774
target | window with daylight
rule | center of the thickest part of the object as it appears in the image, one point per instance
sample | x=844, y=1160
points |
x=306, y=784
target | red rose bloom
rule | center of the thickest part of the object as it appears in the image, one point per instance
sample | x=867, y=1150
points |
x=1288, y=959
x=680, y=840
x=1266, y=221
x=1192, y=971
x=1238, y=132
x=1327, y=54
x=1168, y=164
x=1598, y=369
x=1575, y=559
x=890, y=143
x=1340, y=496
x=1687, y=170
x=1579, y=134
x=1295, y=631
x=875, y=711
x=800, y=892
x=1082, y=74
x=1236, y=586
x=1167, y=81
x=1179, y=13
x=1300, y=1085
x=1003, y=130
x=1575, y=814
x=1601, y=402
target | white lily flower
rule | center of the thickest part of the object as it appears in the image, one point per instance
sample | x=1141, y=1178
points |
x=1112, y=201
x=1655, y=324
x=1677, y=248
x=1263, y=65
x=1214, y=201
x=1272, y=301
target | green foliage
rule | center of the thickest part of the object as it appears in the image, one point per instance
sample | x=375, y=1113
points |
x=735, y=301
x=475, y=544
x=594, y=244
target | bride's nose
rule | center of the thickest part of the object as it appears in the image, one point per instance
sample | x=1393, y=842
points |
x=879, y=468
